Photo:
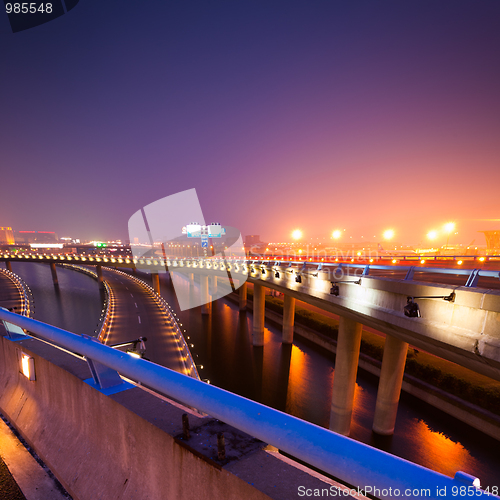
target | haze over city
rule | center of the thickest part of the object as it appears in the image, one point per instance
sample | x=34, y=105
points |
x=284, y=115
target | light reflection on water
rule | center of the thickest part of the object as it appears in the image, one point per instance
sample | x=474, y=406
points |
x=434, y=445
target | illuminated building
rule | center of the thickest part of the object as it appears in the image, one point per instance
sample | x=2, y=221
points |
x=6, y=236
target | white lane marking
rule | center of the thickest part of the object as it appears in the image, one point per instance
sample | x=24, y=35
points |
x=131, y=295
x=126, y=288
x=135, y=304
x=139, y=318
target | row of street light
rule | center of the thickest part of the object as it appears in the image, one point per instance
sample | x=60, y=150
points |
x=388, y=234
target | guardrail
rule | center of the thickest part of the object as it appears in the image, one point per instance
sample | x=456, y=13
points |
x=473, y=275
x=371, y=470
x=155, y=264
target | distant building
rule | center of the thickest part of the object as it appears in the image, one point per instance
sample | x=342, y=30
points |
x=492, y=241
x=26, y=237
x=252, y=239
x=6, y=236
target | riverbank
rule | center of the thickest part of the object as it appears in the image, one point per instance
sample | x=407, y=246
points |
x=446, y=386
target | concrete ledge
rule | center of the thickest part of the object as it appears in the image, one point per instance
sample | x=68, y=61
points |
x=129, y=445
x=34, y=481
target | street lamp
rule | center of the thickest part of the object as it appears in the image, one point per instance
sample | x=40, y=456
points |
x=388, y=234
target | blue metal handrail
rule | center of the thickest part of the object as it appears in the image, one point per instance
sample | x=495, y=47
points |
x=353, y=462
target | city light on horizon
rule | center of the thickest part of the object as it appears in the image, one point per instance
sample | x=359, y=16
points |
x=296, y=234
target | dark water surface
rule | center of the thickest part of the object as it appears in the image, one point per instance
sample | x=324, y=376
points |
x=297, y=379
x=75, y=305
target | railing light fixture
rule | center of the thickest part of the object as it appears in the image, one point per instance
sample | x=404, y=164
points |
x=412, y=310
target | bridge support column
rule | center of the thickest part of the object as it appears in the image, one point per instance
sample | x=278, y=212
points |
x=344, y=378
x=214, y=285
x=54, y=273
x=389, y=387
x=155, y=278
x=8, y=265
x=288, y=319
x=100, y=279
x=243, y=297
x=259, y=311
x=205, y=296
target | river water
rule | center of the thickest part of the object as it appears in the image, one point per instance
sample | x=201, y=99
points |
x=297, y=379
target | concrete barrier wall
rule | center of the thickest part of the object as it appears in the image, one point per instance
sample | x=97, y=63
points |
x=126, y=445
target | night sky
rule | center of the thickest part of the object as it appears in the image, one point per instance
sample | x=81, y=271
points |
x=318, y=115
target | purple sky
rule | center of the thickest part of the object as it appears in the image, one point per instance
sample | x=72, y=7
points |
x=314, y=114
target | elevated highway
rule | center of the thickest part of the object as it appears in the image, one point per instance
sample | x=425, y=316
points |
x=463, y=329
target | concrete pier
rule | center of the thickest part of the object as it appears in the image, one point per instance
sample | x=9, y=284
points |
x=205, y=296
x=100, y=279
x=259, y=306
x=389, y=387
x=288, y=319
x=8, y=265
x=243, y=297
x=344, y=378
x=54, y=273
x=156, y=282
